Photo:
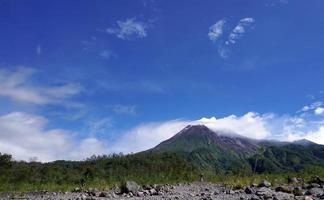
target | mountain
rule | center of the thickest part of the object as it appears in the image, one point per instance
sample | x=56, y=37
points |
x=199, y=136
x=222, y=153
x=209, y=150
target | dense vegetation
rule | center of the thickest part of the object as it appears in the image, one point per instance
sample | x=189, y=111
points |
x=103, y=171
x=275, y=163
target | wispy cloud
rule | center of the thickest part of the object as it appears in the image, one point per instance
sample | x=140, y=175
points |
x=18, y=85
x=124, y=109
x=128, y=29
x=107, y=54
x=216, y=30
x=99, y=126
x=38, y=50
x=89, y=44
x=226, y=40
x=311, y=107
x=239, y=29
x=271, y=3
x=144, y=86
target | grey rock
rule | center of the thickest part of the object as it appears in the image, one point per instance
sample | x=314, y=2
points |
x=140, y=194
x=315, y=192
x=248, y=190
x=153, y=192
x=285, y=189
x=283, y=196
x=264, y=192
x=264, y=183
x=131, y=186
x=298, y=191
x=314, y=185
x=103, y=194
x=293, y=180
x=77, y=189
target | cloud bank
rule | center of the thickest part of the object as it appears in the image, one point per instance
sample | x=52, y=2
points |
x=27, y=136
x=17, y=85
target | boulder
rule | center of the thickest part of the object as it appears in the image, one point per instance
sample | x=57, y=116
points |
x=264, y=183
x=283, y=196
x=315, y=192
x=248, y=190
x=131, y=186
x=298, y=191
x=264, y=192
x=317, y=180
x=293, y=180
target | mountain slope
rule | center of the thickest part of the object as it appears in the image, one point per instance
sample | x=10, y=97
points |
x=209, y=150
x=223, y=153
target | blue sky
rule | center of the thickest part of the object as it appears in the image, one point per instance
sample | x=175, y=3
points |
x=101, y=72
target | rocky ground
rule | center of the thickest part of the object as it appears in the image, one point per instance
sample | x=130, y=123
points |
x=297, y=189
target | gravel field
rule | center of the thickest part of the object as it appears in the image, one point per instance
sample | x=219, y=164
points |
x=198, y=190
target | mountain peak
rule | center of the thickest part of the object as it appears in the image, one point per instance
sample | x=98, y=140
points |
x=194, y=137
x=304, y=142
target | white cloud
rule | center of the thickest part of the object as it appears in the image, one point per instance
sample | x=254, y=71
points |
x=129, y=28
x=18, y=86
x=252, y=125
x=146, y=136
x=25, y=136
x=319, y=111
x=239, y=30
x=216, y=30
x=311, y=107
x=249, y=125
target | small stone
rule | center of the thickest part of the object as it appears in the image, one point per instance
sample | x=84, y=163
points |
x=76, y=189
x=140, y=194
x=153, y=192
